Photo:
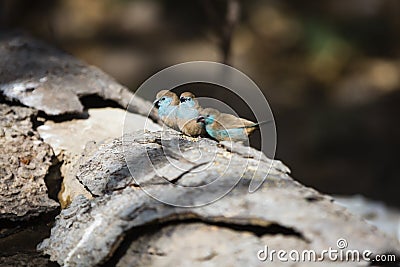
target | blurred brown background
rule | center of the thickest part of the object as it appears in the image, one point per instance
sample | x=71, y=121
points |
x=330, y=69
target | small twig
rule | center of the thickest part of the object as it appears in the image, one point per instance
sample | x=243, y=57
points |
x=232, y=17
x=224, y=28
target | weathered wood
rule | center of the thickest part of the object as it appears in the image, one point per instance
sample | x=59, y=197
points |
x=88, y=232
x=24, y=162
x=52, y=81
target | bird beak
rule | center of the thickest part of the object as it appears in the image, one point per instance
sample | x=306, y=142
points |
x=156, y=103
x=201, y=119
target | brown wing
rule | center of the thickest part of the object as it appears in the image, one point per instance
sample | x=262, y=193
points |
x=230, y=121
x=247, y=122
x=192, y=128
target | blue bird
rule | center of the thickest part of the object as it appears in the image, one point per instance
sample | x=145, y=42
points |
x=226, y=127
x=167, y=103
x=187, y=113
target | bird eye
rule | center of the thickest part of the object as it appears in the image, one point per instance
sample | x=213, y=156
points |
x=208, y=116
x=163, y=98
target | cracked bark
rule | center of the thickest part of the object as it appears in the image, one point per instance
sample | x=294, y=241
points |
x=25, y=161
x=42, y=77
x=124, y=219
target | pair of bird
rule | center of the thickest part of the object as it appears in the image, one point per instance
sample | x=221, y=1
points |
x=186, y=115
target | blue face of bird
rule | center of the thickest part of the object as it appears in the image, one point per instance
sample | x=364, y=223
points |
x=163, y=102
x=206, y=119
x=209, y=119
x=187, y=101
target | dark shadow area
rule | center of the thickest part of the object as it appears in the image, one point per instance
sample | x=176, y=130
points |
x=64, y=117
x=95, y=101
x=347, y=150
x=22, y=238
x=54, y=179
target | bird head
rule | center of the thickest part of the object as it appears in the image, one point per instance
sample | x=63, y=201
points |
x=208, y=116
x=188, y=99
x=166, y=98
